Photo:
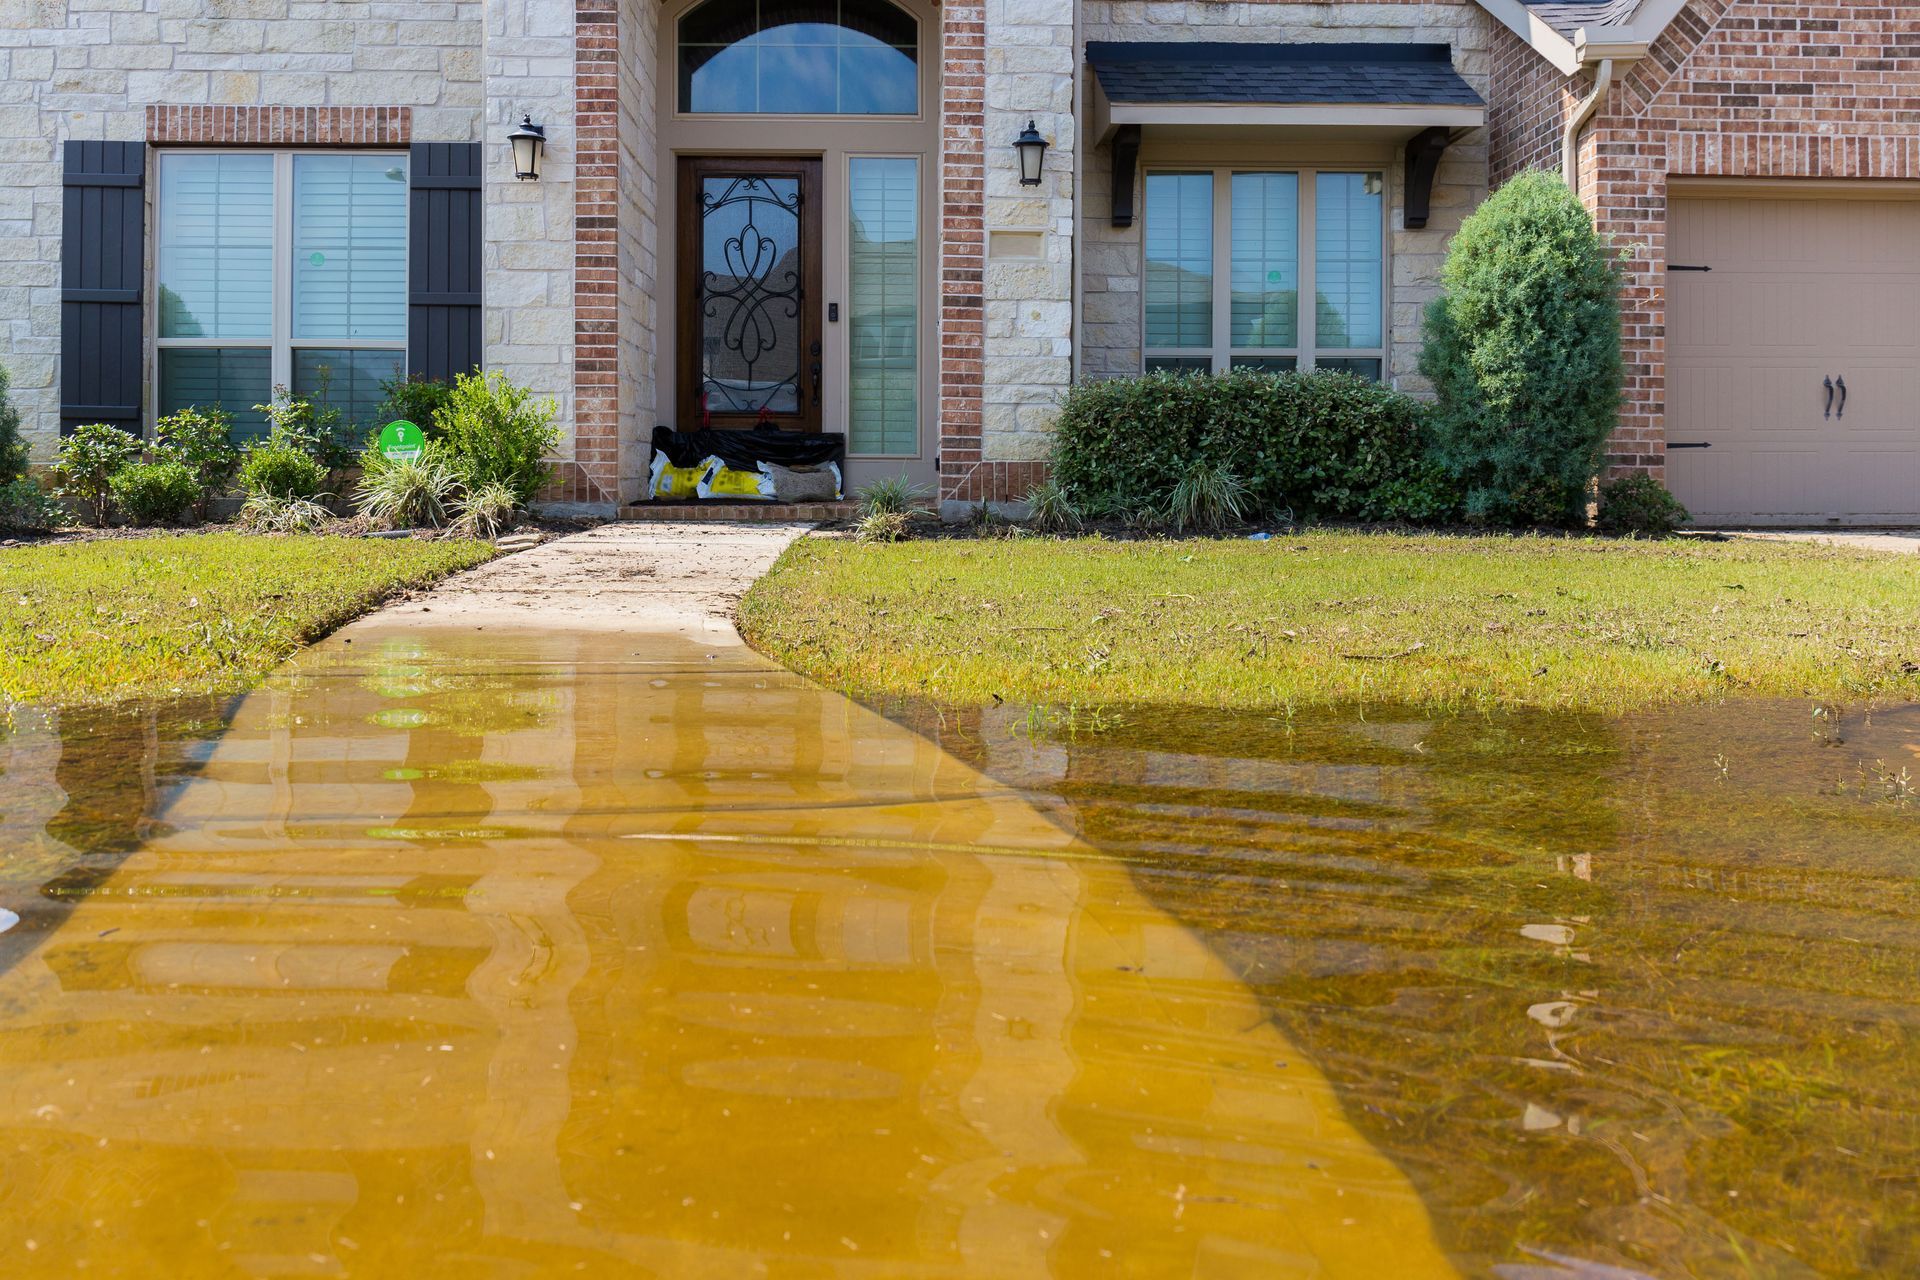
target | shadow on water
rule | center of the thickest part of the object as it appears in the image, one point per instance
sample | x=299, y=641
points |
x=1636, y=991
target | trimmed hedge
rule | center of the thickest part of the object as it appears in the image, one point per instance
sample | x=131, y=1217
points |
x=1307, y=445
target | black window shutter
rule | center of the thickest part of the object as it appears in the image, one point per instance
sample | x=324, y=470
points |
x=103, y=240
x=443, y=315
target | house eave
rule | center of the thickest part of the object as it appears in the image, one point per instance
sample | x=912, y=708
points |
x=1587, y=46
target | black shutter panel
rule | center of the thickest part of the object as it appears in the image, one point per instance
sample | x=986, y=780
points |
x=103, y=240
x=443, y=315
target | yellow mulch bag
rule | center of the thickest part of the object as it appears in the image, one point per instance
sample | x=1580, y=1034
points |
x=722, y=481
x=669, y=481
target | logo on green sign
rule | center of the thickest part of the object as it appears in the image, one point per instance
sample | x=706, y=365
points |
x=401, y=441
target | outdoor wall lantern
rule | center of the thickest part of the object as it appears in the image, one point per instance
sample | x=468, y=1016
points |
x=529, y=146
x=1033, y=149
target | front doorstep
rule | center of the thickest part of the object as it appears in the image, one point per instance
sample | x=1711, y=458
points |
x=767, y=512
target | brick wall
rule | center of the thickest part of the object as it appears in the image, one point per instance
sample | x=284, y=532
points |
x=1738, y=89
x=963, y=245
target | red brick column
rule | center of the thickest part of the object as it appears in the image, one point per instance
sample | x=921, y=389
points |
x=963, y=240
x=595, y=473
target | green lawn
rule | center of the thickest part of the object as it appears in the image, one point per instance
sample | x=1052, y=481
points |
x=1441, y=622
x=129, y=618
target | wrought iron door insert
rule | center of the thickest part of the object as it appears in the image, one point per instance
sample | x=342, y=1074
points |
x=749, y=325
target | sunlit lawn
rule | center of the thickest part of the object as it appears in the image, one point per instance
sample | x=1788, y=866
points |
x=124, y=618
x=1340, y=617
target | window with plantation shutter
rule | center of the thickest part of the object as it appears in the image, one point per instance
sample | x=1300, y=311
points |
x=883, y=269
x=282, y=269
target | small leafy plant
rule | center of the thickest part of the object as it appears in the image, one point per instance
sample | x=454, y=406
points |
x=89, y=460
x=485, y=512
x=418, y=400
x=13, y=450
x=890, y=495
x=278, y=467
x=406, y=493
x=158, y=492
x=202, y=439
x=25, y=505
x=495, y=432
x=1208, y=496
x=1051, y=509
x=1639, y=504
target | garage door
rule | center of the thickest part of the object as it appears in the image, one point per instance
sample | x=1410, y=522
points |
x=1771, y=298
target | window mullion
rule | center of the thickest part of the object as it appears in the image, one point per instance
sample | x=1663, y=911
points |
x=1309, y=337
x=283, y=269
x=1222, y=270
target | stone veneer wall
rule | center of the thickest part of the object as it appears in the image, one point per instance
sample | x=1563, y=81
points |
x=90, y=69
x=1112, y=263
x=1732, y=89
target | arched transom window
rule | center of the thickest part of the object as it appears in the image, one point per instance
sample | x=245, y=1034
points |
x=799, y=58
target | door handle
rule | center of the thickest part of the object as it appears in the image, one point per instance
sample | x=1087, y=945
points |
x=816, y=382
x=1842, y=384
x=1829, y=384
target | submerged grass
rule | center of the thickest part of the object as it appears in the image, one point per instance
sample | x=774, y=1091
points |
x=1322, y=617
x=102, y=621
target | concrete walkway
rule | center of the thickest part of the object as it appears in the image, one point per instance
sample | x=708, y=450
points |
x=1900, y=541
x=673, y=578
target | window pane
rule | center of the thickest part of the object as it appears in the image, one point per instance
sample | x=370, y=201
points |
x=1360, y=366
x=1266, y=260
x=348, y=381
x=1180, y=364
x=229, y=378
x=1266, y=364
x=350, y=247
x=214, y=260
x=883, y=309
x=1179, y=235
x=1347, y=251
x=828, y=57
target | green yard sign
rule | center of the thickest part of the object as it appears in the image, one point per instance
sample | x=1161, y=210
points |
x=401, y=441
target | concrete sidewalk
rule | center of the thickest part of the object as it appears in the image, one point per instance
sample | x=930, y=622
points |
x=662, y=577
x=1898, y=541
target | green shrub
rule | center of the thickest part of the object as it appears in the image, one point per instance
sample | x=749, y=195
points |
x=89, y=460
x=418, y=400
x=155, y=492
x=889, y=496
x=496, y=432
x=278, y=467
x=485, y=512
x=25, y=505
x=406, y=493
x=1640, y=504
x=13, y=450
x=1050, y=508
x=1325, y=445
x=1208, y=496
x=312, y=426
x=1523, y=349
x=202, y=439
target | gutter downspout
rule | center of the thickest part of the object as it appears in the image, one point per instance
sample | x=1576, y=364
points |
x=1570, y=140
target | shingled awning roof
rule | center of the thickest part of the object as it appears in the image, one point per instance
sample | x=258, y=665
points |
x=1399, y=92
x=1136, y=72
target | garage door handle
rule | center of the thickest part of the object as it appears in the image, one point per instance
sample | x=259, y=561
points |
x=1829, y=384
x=1694, y=444
x=1842, y=384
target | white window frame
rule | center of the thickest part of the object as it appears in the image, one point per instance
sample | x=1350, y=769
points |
x=282, y=343
x=1307, y=354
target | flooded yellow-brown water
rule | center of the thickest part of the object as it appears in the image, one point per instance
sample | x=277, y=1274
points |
x=514, y=955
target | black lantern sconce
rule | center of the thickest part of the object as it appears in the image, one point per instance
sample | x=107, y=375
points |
x=529, y=148
x=1033, y=149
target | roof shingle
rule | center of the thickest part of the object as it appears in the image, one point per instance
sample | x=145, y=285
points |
x=1211, y=71
x=1568, y=16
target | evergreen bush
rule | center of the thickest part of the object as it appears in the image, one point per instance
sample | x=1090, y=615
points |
x=1306, y=445
x=1523, y=350
x=495, y=432
x=155, y=492
x=202, y=440
x=89, y=460
x=279, y=467
x=417, y=400
x=13, y=450
x=1640, y=504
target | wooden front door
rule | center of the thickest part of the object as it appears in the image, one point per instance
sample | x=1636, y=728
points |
x=750, y=309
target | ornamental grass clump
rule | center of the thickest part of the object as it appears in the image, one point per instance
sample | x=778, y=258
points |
x=1523, y=350
x=485, y=512
x=1051, y=509
x=407, y=493
x=888, y=496
x=1207, y=498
